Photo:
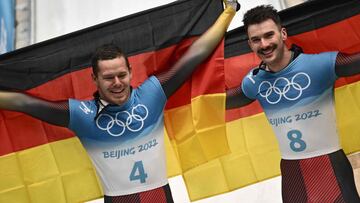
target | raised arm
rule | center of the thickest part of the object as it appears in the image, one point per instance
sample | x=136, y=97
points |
x=235, y=98
x=176, y=75
x=56, y=113
x=347, y=64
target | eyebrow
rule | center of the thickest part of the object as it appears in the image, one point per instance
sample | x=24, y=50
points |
x=265, y=34
x=115, y=73
x=270, y=32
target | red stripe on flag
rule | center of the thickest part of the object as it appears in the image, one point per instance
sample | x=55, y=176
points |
x=237, y=67
x=343, y=36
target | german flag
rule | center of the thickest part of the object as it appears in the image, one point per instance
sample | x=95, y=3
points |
x=40, y=162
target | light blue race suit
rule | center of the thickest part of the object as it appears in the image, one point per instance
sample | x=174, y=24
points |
x=125, y=143
x=299, y=104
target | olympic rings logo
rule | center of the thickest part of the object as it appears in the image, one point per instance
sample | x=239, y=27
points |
x=131, y=118
x=277, y=92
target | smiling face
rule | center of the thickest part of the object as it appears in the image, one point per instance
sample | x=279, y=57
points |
x=113, y=80
x=267, y=40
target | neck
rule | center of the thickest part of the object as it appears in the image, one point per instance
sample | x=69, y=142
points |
x=285, y=59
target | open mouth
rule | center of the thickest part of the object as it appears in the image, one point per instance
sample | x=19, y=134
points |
x=117, y=92
x=267, y=52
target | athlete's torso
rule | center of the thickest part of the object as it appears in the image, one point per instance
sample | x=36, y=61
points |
x=299, y=104
x=125, y=143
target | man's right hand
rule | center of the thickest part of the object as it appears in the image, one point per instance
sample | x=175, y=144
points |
x=233, y=3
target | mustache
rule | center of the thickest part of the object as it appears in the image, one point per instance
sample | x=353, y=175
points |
x=271, y=47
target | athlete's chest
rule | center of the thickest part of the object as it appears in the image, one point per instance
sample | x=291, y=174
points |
x=284, y=88
x=114, y=124
x=117, y=122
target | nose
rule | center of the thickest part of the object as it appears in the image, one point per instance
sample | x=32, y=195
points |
x=117, y=80
x=264, y=43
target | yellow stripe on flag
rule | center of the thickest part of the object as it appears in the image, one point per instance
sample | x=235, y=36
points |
x=206, y=180
x=253, y=156
x=11, y=180
x=49, y=190
x=57, y=172
x=198, y=131
x=172, y=157
x=262, y=146
x=347, y=100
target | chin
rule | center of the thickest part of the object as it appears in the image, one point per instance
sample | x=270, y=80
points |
x=269, y=60
x=120, y=101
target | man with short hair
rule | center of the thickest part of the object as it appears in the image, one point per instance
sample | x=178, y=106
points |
x=288, y=85
x=122, y=128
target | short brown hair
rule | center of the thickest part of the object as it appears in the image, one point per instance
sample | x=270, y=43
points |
x=106, y=52
x=260, y=14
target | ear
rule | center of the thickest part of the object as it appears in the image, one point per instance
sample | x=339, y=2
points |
x=284, y=34
x=250, y=45
x=94, y=78
x=130, y=71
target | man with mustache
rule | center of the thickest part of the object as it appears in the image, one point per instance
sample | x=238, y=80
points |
x=122, y=128
x=287, y=84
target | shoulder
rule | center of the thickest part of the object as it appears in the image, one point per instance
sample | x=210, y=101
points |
x=252, y=76
x=152, y=80
x=81, y=111
x=323, y=59
x=249, y=82
x=84, y=105
x=151, y=83
x=151, y=87
x=322, y=55
x=78, y=101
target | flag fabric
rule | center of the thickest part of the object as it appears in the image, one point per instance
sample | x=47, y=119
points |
x=40, y=162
